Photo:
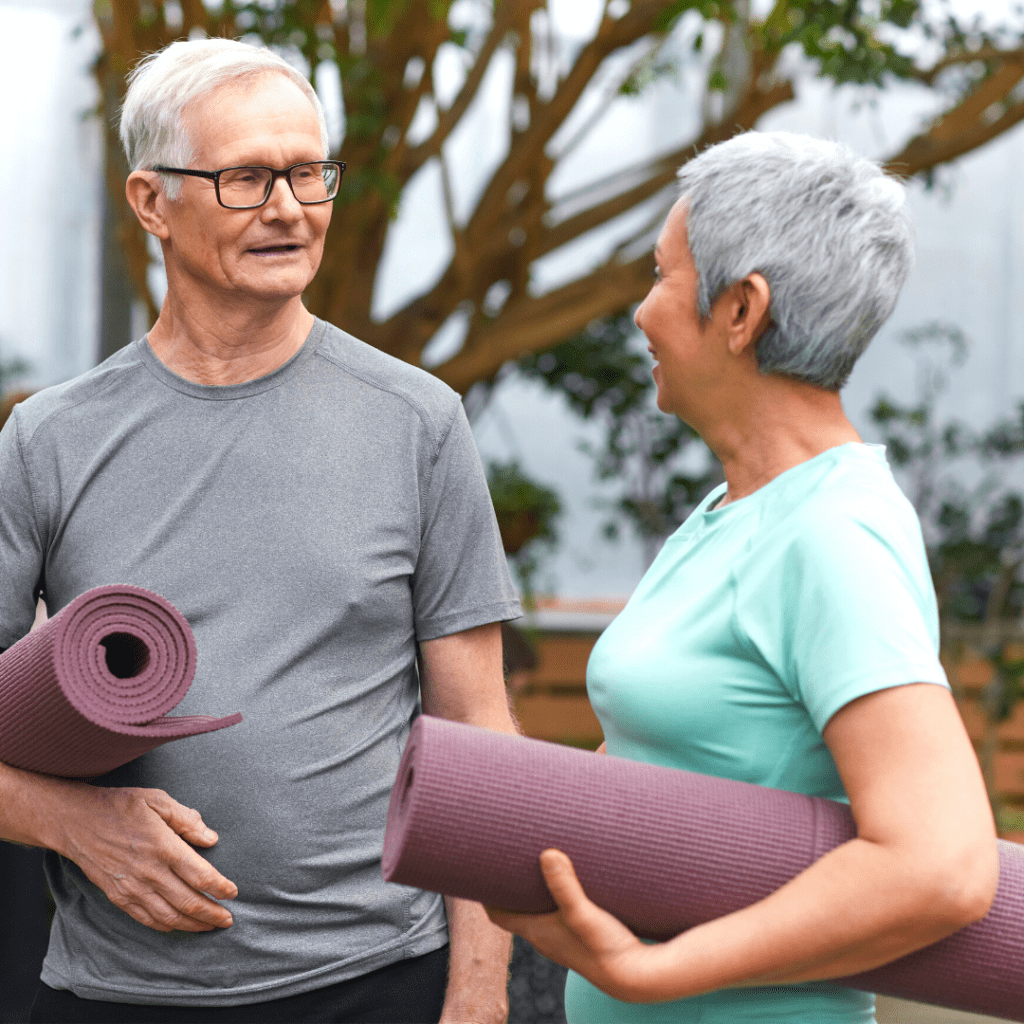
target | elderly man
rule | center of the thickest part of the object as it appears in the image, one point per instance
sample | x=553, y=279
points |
x=318, y=512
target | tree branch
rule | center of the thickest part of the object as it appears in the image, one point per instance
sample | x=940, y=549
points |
x=964, y=127
x=926, y=152
x=605, y=103
x=660, y=172
x=527, y=155
x=961, y=57
x=990, y=90
x=533, y=323
x=450, y=117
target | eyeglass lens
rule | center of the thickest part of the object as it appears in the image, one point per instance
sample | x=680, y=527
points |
x=250, y=186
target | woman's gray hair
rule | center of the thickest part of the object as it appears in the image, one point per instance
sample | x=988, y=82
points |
x=829, y=231
x=163, y=84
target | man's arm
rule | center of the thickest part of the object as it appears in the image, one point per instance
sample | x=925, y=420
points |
x=125, y=840
x=461, y=678
x=132, y=843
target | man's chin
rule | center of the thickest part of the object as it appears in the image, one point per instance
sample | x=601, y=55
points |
x=273, y=287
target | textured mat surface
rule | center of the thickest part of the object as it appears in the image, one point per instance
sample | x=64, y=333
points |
x=91, y=688
x=662, y=850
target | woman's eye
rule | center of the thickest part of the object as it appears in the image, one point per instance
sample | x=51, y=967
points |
x=656, y=273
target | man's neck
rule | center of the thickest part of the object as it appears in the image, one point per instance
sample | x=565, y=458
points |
x=246, y=343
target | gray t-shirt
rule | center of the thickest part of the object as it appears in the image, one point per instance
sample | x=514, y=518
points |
x=312, y=525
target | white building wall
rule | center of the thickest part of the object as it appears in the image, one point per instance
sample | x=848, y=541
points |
x=50, y=165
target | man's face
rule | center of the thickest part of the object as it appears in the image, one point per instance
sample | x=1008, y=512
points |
x=271, y=252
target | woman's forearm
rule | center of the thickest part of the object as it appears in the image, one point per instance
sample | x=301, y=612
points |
x=925, y=864
x=858, y=907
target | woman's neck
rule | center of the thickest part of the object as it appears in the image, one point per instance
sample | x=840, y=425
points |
x=772, y=428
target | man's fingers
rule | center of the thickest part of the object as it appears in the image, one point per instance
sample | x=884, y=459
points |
x=135, y=845
x=188, y=865
x=188, y=903
x=160, y=915
x=200, y=876
x=186, y=821
x=165, y=903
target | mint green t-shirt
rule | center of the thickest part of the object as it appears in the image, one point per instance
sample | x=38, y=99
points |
x=755, y=624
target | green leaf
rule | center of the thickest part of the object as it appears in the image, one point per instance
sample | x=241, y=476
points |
x=717, y=82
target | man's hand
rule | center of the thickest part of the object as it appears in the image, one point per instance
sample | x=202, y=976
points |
x=134, y=845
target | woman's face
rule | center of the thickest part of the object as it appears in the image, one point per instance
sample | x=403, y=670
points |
x=679, y=343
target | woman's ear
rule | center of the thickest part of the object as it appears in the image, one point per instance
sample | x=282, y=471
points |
x=146, y=197
x=752, y=300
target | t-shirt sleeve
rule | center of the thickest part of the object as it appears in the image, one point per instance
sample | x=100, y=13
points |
x=461, y=578
x=21, y=549
x=851, y=609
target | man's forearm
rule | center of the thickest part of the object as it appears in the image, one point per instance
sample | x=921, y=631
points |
x=462, y=680
x=29, y=807
x=478, y=967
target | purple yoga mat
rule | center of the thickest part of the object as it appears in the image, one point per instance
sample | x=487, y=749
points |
x=661, y=849
x=90, y=689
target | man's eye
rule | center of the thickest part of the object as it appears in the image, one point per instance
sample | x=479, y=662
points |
x=656, y=273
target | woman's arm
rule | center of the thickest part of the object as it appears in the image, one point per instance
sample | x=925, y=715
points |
x=923, y=865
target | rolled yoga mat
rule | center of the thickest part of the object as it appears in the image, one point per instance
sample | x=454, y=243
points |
x=90, y=689
x=661, y=849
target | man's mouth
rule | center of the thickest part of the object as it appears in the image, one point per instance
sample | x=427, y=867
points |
x=271, y=250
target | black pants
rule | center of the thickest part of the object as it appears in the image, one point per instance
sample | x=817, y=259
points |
x=406, y=992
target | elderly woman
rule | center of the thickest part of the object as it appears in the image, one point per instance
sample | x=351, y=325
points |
x=787, y=633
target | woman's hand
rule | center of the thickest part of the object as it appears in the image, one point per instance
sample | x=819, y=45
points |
x=582, y=936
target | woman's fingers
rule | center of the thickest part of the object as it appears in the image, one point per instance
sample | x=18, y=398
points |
x=560, y=877
x=579, y=934
x=596, y=928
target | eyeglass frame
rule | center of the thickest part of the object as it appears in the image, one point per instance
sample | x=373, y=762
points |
x=214, y=176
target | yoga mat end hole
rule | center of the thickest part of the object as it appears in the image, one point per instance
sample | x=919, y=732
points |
x=127, y=656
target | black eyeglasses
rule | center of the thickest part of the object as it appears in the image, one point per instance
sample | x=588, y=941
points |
x=245, y=188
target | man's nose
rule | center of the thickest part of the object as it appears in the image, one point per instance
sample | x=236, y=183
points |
x=282, y=204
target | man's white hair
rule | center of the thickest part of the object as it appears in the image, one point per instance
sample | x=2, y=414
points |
x=827, y=229
x=164, y=83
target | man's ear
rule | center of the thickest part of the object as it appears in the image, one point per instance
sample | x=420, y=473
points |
x=146, y=197
x=751, y=307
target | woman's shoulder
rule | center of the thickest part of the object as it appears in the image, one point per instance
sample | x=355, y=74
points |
x=849, y=489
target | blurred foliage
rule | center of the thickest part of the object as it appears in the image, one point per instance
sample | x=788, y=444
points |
x=527, y=512
x=12, y=371
x=974, y=533
x=604, y=378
